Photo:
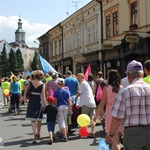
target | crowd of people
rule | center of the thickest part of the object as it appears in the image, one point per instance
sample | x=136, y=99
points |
x=124, y=103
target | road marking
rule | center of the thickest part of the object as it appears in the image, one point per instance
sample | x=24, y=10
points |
x=1, y=143
x=1, y=104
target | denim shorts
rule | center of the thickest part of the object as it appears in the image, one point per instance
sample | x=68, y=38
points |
x=50, y=126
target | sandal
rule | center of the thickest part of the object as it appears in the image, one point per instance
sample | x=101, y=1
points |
x=34, y=140
x=91, y=135
x=37, y=136
x=50, y=142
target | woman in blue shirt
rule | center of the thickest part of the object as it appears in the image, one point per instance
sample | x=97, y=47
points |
x=15, y=94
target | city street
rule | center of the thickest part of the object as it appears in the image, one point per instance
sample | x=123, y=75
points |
x=16, y=134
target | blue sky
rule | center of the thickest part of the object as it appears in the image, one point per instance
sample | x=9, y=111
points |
x=38, y=16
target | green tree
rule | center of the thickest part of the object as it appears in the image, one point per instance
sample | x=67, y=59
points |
x=35, y=64
x=13, y=62
x=5, y=65
x=20, y=61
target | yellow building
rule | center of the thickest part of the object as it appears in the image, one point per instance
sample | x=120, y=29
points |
x=126, y=32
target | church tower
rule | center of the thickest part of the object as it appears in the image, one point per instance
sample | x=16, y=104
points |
x=20, y=35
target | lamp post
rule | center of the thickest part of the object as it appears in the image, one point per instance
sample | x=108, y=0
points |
x=38, y=45
x=36, y=42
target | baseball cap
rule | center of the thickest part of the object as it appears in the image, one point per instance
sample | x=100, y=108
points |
x=134, y=66
x=61, y=81
x=51, y=99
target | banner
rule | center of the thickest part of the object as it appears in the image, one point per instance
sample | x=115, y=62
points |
x=27, y=73
x=46, y=67
x=87, y=72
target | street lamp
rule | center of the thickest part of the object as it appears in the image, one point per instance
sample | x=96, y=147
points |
x=36, y=42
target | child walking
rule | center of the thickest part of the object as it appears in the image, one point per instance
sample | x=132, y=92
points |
x=51, y=112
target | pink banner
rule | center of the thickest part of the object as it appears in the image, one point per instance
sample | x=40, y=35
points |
x=87, y=72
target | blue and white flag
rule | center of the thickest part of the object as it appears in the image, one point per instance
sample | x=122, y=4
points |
x=27, y=73
x=46, y=67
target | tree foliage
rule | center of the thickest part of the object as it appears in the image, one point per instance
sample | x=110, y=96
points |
x=20, y=61
x=4, y=63
x=35, y=64
x=13, y=62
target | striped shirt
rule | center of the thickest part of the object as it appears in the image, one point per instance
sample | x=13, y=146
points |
x=132, y=104
x=52, y=84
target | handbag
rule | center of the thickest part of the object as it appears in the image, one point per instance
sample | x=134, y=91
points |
x=28, y=91
x=98, y=96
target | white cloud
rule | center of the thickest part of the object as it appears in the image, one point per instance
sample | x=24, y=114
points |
x=8, y=26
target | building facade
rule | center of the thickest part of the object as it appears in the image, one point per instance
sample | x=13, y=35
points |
x=75, y=42
x=127, y=28
x=107, y=40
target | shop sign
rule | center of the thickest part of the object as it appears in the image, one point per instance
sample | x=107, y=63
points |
x=132, y=39
x=107, y=46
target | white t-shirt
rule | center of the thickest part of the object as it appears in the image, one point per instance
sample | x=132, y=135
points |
x=86, y=97
x=124, y=81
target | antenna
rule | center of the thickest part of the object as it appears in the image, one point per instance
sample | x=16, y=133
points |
x=76, y=4
x=67, y=10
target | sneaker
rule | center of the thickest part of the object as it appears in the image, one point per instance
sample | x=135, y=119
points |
x=59, y=134
x=64, y=139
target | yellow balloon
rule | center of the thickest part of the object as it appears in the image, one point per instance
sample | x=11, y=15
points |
x=83, y=120
x=6, y=92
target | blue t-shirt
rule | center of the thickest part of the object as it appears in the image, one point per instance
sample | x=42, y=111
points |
x=15, y=88
x=62, y=96
x=72, y=84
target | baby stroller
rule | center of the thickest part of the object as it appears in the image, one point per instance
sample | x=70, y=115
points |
x=76, y=111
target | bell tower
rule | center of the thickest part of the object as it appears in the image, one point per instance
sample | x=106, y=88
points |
x=20, y=34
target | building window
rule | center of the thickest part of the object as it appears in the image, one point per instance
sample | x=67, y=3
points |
x=89, y=35
x=52, y=49
x=108, y=26
x=66, y=44
x=69, y=46
x=115, y=23
x=56, y=50
x=60, y=48
x=134, y=13
x=95, y=33
x=17, y=38
x=77, y=40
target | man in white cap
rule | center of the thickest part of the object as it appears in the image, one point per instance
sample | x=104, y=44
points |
x=132, y=109
x=63, y=102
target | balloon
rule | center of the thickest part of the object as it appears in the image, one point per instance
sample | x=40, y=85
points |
x=83, y=120
x=84, y=131
x=6, y=92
